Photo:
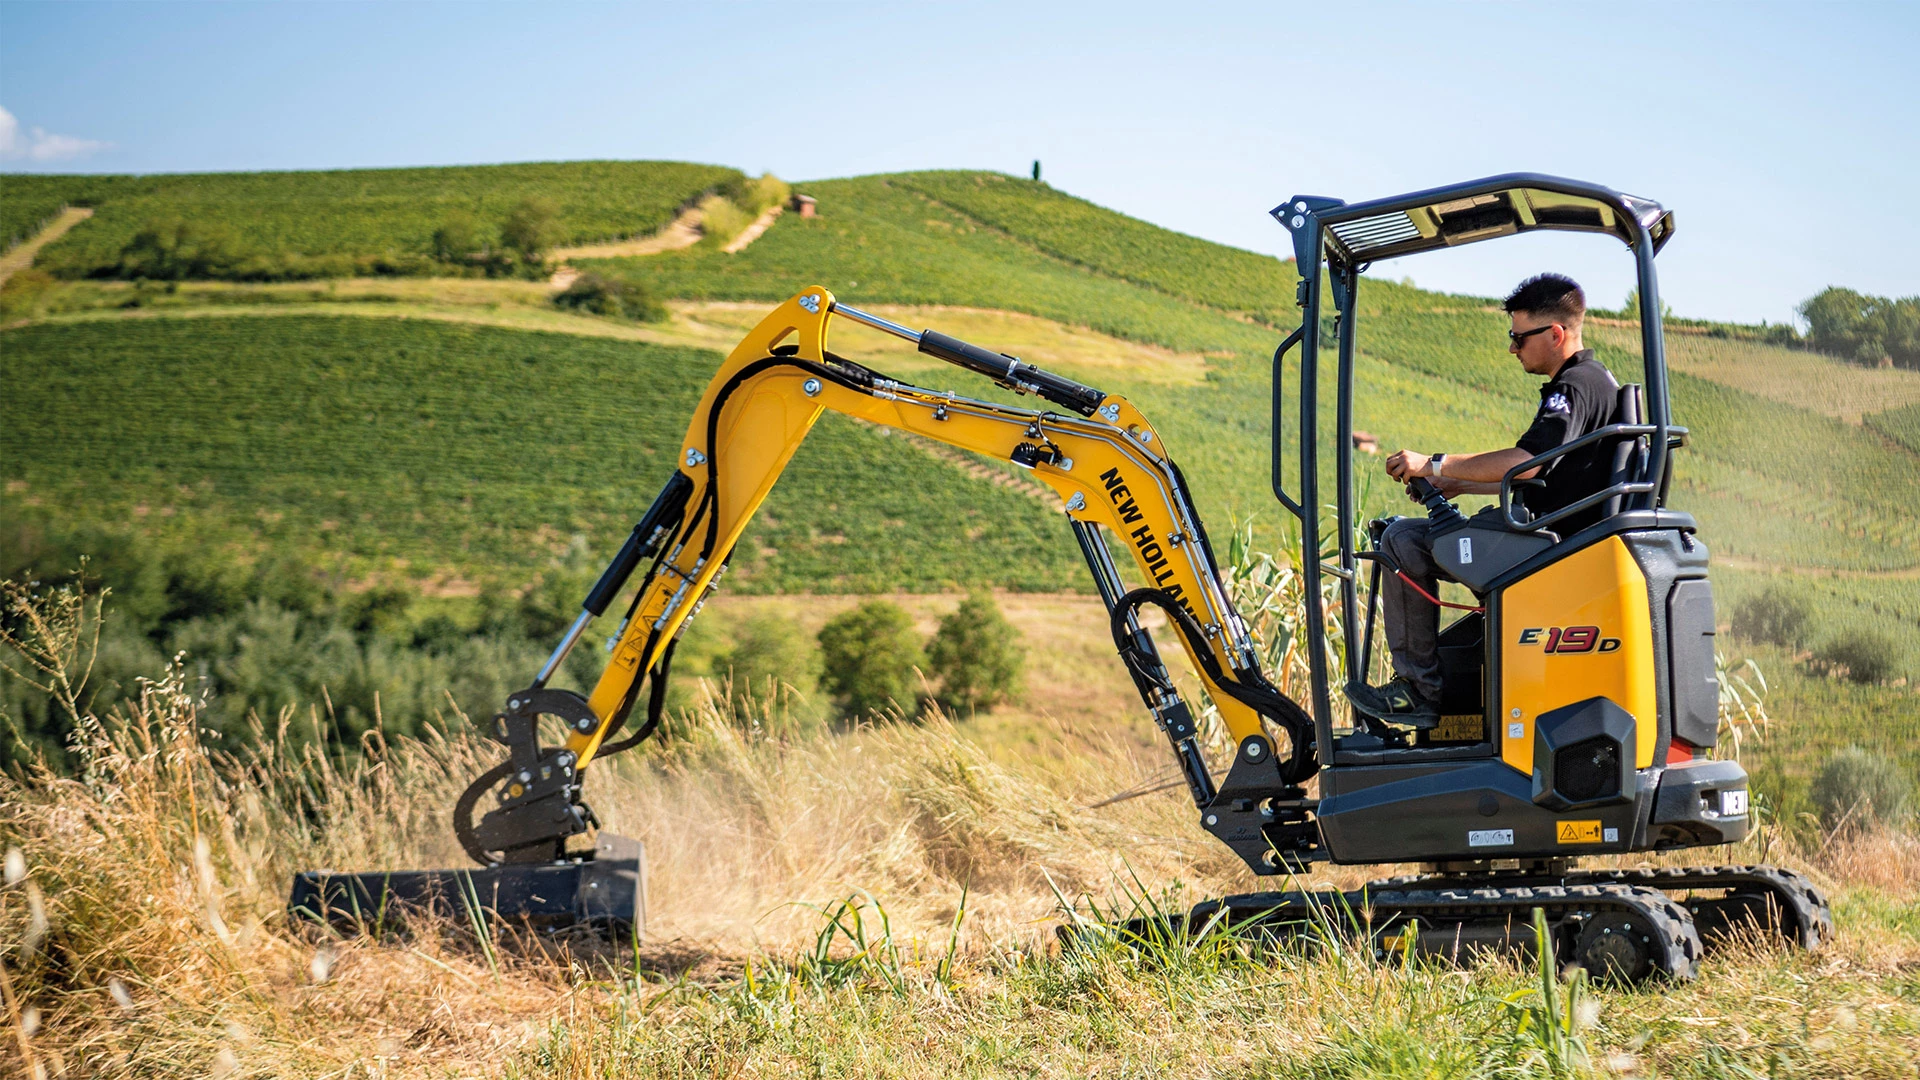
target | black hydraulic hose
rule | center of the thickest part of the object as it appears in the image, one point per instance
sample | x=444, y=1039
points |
x=656, y=703
x=1260, y=696
x=844, y=373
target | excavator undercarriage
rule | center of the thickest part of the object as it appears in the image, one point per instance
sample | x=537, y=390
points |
x=1581, y=693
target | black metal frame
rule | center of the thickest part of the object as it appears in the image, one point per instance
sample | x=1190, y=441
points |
x=1641, y=223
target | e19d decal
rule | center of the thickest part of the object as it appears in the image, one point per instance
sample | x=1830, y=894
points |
x=1569, y=639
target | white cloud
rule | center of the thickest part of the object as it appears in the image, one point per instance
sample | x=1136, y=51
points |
x=39, y=144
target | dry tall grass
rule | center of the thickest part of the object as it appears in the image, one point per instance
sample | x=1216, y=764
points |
x=142, y=932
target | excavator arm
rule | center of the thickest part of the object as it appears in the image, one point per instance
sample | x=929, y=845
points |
x=1104, y=460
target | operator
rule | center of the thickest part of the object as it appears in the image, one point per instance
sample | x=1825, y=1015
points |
x=1579, y=397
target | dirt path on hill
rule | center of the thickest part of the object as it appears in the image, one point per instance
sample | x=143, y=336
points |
x=22, y=255
x=752, y=232
x=1737, y=562
x=681, y=232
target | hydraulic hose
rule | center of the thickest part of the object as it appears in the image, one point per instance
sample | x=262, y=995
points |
x=1259, y=696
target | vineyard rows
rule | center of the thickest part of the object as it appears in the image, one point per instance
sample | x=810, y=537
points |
x=1901, y=425
x=388, y=444
x=1126, y=248
x=345, y=218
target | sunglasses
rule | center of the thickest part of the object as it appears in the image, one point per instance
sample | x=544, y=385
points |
x=1517, y=338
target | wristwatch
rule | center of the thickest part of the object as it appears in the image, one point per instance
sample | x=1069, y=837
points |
x=1434, y=464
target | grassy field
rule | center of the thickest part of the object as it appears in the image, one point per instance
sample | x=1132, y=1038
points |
x=1902, y=425
x=399, y=447
x=1797, y=377
x=1776, y=485
x=1117, y=246
x=25, y=207
x=339, y=220
x=144, y=921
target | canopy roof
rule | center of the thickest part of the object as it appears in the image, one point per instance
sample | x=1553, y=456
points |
x=1478, y=210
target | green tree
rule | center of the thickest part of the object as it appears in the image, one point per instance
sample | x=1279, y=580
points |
x=458, y=238
x=1865, y=329
x=532, y=227
x=769, y=648
x=868, y=658
x=175, y=249
x=976, y=656
x=1840, y=322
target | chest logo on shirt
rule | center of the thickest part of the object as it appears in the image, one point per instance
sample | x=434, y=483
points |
x=1556, y=403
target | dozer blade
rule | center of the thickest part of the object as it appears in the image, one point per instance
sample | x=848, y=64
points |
x=604, y=889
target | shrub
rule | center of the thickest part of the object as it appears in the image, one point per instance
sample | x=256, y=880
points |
x=755, y=194
x=175, y=249
x=1777, y=616
x=614, y=297
x=721, y=220
x=458, y=238
x=768, y=648
x=868, y=658
x=1863, y=655
x=532, y=227
x=976, y=656
x=20, y=295
x=1858, y=788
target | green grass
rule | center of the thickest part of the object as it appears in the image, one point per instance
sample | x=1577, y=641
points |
x=354, y=215
x=1901, y=425
x=1080, y=232
x=25, y=206
x=1770, y=482
x=882, y=242
x=400, y=446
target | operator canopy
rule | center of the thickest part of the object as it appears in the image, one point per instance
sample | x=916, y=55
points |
x=1480, y=210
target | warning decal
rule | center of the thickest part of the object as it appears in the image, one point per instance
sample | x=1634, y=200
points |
x=1577, y=832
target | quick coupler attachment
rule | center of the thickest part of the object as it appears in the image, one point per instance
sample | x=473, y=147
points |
x=604, y=888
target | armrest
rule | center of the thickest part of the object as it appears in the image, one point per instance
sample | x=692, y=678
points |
x=1630, y=487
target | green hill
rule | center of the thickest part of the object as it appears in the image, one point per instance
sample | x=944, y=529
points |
x=1779, y=489
x=407, y=448
x=328, y=224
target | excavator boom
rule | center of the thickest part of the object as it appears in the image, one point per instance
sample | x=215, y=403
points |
x=1109, y=467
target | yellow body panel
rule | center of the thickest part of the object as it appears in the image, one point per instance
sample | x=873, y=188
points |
x=1599, y=587
x=1112, y=470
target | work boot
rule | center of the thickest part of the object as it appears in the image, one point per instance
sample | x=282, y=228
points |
x=1397, y=702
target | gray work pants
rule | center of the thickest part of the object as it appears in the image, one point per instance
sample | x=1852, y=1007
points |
x=1413, y=622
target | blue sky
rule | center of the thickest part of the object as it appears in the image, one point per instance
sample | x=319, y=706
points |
x=1781, y=135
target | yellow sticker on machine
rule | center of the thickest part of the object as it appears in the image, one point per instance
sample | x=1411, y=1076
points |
x=1577, y=832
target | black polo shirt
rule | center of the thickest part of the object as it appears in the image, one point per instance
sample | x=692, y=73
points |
x=1578, y=400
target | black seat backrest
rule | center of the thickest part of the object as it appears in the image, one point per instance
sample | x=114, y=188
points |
x=1627, y=454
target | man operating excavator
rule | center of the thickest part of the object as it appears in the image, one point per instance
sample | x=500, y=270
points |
x=1578, y=397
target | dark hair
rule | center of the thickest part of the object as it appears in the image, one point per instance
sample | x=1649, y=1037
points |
x=1549, y=294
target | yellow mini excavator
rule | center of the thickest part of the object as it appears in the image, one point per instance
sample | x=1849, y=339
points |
x=1580, y=694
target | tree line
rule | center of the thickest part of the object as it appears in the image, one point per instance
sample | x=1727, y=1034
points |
x=1872, y=330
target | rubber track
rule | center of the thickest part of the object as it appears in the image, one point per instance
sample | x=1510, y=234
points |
x=1676, y=953
x=1808, y=921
